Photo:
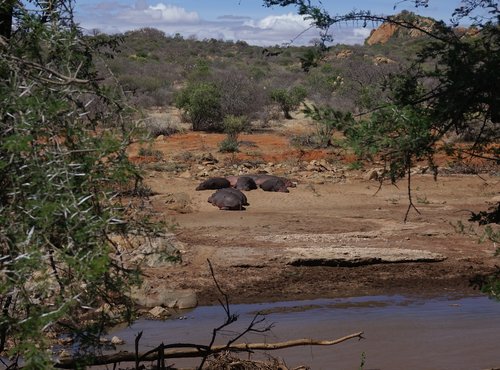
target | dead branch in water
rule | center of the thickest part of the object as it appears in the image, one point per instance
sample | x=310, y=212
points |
x=125, y=356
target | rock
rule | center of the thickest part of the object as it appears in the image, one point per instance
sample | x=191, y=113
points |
x=160, y=138
x=418, y=170
x=325, y=164
x=357, y=256
x=318, y=181
x=159, y=312
x=65, y=341
x=203, y=173
x=117, y=341
x=162, y=296
x=179, y=202
x=371, y=175
x=185, y=175
x=207, y=157
x=374, y=174
x=378, y=60
x=187, y=301
x=113, y=312
x=388, y=31
x=342, y=54
x=160, y=251
x=64, y=354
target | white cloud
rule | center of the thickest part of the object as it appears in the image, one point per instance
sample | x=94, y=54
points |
x=285, y=22
x=154, y=15
x=362, y=32
x=171, y=13
x=113, y=17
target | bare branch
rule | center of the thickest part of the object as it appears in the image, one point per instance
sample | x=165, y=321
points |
x=410, y=200
x=70, y=363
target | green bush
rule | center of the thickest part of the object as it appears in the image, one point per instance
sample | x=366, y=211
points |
x=234, y=125
x=399, y=136
x=63, y=163
x=328, y=120
x=288, y=99
x=201, y=101
x=229, y=145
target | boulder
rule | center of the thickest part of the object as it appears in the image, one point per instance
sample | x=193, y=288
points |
x=163, y=296
x=159, y=312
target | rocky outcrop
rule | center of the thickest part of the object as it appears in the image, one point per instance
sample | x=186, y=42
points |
x=382, y=34
x=388, y=31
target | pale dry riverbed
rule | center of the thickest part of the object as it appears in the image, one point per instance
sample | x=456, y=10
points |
x=330, y=239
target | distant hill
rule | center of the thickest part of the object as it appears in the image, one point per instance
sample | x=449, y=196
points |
x=390, y=31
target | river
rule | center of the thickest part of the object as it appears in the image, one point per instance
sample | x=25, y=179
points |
x=400, y=332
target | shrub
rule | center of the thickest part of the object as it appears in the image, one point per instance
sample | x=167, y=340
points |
x=288, y=100
x=157, y=127
x=328, y=120
x=234, y=125
x=202, y=103
x=229, y=145
x=149, y=152
x=240, y=96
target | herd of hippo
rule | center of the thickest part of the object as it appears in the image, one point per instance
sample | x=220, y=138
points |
x=229, y=195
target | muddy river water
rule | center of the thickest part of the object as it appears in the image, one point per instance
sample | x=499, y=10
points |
x=400, y=332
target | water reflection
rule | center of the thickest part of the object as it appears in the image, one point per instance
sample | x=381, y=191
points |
x=401, y=332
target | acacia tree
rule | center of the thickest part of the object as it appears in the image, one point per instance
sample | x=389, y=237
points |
x=62, y=165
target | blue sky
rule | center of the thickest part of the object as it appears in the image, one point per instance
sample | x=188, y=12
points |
x=246, y=20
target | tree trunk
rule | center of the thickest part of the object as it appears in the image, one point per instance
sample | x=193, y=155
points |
x=6, y=13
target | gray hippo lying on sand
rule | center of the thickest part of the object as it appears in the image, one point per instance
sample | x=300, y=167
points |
x=214, y=183
x=229, y=199
x=259, y=179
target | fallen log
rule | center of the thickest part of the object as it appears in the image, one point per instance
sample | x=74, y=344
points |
x=125, y=356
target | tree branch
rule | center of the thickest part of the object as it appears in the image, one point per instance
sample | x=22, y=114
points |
x=71, y=363
x=410, y=205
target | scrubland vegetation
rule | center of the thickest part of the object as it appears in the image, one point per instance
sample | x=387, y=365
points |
x=70, y=198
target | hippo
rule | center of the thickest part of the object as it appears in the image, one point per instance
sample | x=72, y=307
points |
x=260, y=178
x=228, y=199
x=232, y=180
x=238, y=193
x=275, y=184
x=245, y=183
x=214, y=183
